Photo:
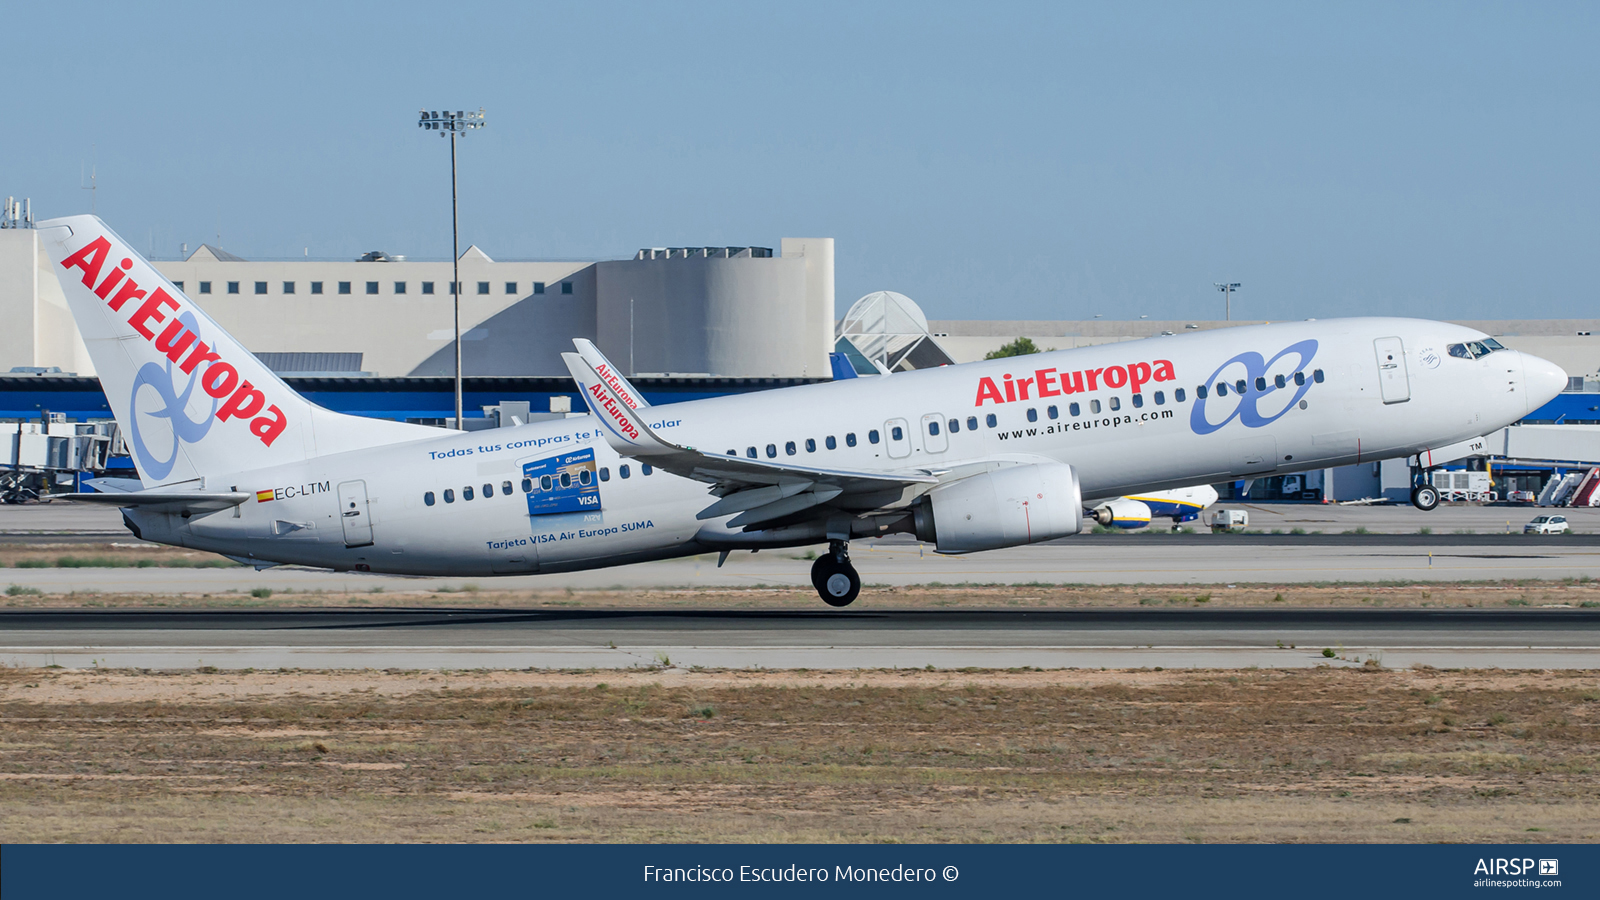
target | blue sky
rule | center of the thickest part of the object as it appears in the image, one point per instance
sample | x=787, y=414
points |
x=992, y=161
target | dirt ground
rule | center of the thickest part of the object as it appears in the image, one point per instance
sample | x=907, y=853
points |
x=1560, y=593
x=674, y=755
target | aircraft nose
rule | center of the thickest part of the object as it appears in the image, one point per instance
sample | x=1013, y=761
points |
x=1544, y=380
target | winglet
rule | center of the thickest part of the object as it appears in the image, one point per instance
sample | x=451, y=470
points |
x=624, y=430
x=609, y=374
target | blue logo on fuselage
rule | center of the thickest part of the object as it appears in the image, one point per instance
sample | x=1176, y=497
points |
x=1247, y=404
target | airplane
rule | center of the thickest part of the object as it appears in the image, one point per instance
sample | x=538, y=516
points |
x=1180, y=505
x=968, y=458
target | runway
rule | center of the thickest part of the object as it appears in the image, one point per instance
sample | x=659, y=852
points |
x=621, y=639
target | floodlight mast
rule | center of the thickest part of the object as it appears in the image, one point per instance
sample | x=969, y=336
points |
x=1227, y=288
x=452, y=124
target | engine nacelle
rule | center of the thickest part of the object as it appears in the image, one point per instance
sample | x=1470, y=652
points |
x=1003, y=508
x=1123, y=513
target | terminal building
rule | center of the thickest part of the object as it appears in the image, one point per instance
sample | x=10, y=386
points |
x=374, y=336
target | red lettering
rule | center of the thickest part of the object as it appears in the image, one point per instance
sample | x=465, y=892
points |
x=1072, y=383
x=1011, y=389
x=1022, y=387
x=245, y=402
x=1043, y=380
x=151, y=309
x=89, y=259
x=1138, y=374
x=130, y=291
x=111, y=280
x=269, y=426
x=1164, y=370
x=171, y=342
x=988, y=391
x=1093, y=374
x=201, y=354
x=1116, y=376
x=219, y=379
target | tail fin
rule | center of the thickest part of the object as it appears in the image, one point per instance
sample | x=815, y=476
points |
x=191, y=400
x=608, y=373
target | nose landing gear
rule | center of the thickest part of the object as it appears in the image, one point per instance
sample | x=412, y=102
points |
x=1425, y=497
x=834, y=578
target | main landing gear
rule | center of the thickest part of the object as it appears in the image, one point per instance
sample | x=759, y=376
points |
x=1425, y=497
x=834, y=578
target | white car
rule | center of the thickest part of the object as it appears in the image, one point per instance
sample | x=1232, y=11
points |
x=1546, y=525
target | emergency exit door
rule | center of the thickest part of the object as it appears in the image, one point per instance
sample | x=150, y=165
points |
x=1393, y=382
x=353, y=513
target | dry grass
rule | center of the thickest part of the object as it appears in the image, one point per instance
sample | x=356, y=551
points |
x=484, y=595
x=1318, y=755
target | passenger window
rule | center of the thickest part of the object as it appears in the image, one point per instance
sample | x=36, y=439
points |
x=1261, y=384
x=872, y=436
x=972, y=423
x=751, y=452
x=789, y=448
x=897, y=434
x=1222, y=389
x=1094, y=406
x=1299, y=378
x=1116, y=404
x=811, y=445
x=605, y=473
x=1033, y=414
x=546, y=483
x=1138, y=401
x=566, y=479
x=427, y=498
x=850, y=439
x=527, y=485
x=733, y=453
x=772, y=451
x=955, y=425
x=1279, y=381
x=1200, y=392
x=449, y=495
x=644, y=469
x=1316, y=375
x=584, y=477
x=1177, y=395
x=1160, y=398
x=1052, y=412
x=830, y=443
x=990, y=420
x=933, y=427
x=488, y=490
x=1074, y=409
x=624, y=471
x=466, y=492
x=1240, y=386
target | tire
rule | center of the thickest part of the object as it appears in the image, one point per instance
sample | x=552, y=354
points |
x=1425, y=498
x=837, y=583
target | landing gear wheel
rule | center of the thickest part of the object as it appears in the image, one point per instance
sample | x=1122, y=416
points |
x=1425, y=497
x=835, y=579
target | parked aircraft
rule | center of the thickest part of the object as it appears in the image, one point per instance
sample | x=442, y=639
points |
x=970, y=457
x=1180, y=505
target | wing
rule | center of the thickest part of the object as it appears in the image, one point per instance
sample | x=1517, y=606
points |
x=760, y=491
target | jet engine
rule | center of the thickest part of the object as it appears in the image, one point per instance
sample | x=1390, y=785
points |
x=1123, y=513
x=1003, y=508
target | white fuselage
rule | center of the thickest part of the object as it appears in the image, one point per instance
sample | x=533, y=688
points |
x=1354, y=406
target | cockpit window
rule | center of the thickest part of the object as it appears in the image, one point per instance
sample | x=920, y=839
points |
x=1474, y=349
x=1493, y=344
x=1478, y=348
x=1459, y=351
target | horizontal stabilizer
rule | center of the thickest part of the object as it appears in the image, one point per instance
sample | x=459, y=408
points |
x=194, y=502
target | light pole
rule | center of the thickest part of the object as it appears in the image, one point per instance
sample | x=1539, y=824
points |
x=452, y=124
x=1227, y=288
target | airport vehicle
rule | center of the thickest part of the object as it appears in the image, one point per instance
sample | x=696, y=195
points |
x=1181, y=505
x=1547, y=525
x=969, y=457
x=1230, y=519
x=1520, y=496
